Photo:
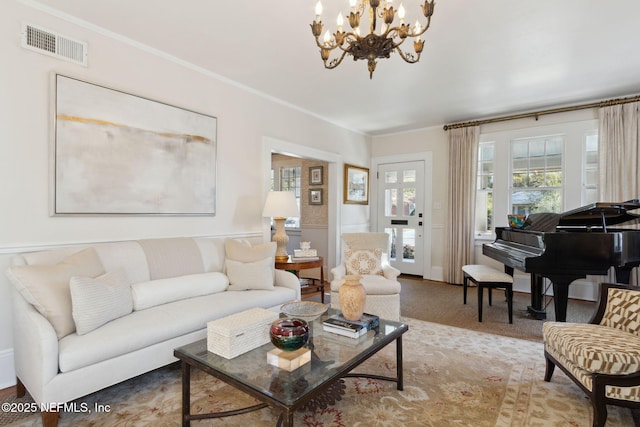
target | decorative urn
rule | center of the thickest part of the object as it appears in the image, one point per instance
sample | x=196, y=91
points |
x=352, y=297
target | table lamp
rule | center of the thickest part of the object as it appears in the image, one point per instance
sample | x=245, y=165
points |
x=280, y=205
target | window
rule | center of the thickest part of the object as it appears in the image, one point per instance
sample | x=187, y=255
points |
x=536, y=169
x=590, y=167
x=290, y=181
x=536, y=177
x=484, y=189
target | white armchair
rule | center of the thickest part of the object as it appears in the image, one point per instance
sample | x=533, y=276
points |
x=367, y=255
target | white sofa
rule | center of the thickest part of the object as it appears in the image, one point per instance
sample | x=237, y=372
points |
x=175, y=285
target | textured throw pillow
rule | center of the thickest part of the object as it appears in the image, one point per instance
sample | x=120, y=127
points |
x=163, y=291
x=250, y=275
x=47, y=286
x=238, y=250
x=363, y=261
x=99, y=300
x=623, y=310
x=241, y=251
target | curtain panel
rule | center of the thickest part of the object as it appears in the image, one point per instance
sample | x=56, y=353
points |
x=618, y=160
x=463, y=163
x=619, y=153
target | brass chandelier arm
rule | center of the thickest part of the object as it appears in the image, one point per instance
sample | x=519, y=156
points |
x=335, y=62
x=409, y=57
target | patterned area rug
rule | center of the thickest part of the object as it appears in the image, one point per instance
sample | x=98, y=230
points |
x=453, y=377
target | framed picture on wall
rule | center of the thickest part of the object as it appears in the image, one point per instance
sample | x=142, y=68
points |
x=356, y=185
x=315, y=196
x=315, y=175
x=118, y=153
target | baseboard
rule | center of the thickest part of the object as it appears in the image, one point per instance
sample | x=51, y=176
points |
x=7, y=371
x=579, y=289
x=437, y=274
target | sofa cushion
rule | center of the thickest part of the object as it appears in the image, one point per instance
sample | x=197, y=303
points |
x=623, y=310
x=47, y=286
x=250, y=275
x=100, y=300
x=145, y=328
x=212, y=250
x=363, y=261
x=162, y=291
x=172, y=257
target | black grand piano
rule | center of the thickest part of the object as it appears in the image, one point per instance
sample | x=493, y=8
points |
x=565, y=247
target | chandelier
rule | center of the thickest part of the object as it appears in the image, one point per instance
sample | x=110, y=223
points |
x=379, y=43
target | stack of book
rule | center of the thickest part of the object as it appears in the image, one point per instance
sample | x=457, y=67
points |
x=337, y=324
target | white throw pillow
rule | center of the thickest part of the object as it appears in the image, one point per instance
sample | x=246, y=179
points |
x=243, y=251
x=250, y=275
x=163, y=291
x=46, y=286
x=96, y=301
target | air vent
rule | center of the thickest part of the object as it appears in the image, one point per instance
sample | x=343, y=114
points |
x=53, y=44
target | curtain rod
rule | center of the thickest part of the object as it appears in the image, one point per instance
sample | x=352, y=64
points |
x=535, y=114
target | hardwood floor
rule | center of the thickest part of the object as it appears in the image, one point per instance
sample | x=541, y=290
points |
x=7, y=392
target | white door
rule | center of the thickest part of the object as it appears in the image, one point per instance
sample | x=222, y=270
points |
x=400, y=213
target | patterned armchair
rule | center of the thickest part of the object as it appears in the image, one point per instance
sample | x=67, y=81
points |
x=367, y=255
x=602, y=357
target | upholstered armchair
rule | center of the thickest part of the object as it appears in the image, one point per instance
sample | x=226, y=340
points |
x=367, y=255
x=603, y=356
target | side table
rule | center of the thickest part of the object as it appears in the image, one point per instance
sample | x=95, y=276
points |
x=312, y=285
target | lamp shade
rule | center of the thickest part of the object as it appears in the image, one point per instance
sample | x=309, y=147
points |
x=280, y=204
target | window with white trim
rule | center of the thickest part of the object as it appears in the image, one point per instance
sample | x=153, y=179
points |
x=484, y=189
x=538, y=169
x=290, y=181
x=590, y=168
x=536, y=175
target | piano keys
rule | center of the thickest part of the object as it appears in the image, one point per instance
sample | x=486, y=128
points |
x=569, y=246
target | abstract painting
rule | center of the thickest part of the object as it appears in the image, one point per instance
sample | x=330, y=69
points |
x=117, y=153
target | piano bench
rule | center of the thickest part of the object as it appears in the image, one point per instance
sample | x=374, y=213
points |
x=487, y=277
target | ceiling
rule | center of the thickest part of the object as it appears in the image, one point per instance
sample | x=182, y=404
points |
x=481, y=58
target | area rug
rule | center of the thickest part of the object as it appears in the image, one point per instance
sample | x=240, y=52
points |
x=453, y=377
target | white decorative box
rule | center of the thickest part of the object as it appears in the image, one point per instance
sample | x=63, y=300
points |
x=234, y=335
x=305, y=253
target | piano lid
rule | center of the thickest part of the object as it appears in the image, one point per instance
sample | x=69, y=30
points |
x=601, y=214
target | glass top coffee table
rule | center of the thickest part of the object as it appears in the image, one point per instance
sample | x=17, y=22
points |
x=332, y=357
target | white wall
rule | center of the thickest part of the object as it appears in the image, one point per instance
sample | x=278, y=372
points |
x=244, y=119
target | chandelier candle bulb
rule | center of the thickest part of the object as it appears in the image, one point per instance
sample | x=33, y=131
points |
x=318, y=10
x=327, y=39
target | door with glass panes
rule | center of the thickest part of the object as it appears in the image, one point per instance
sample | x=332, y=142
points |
x=400, y=213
